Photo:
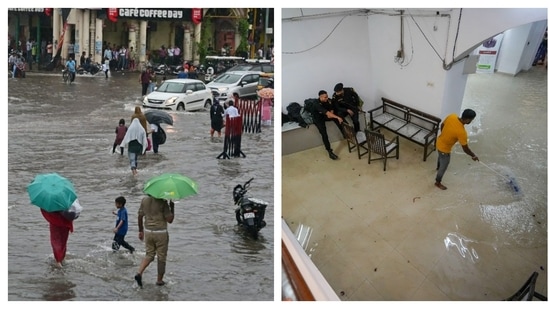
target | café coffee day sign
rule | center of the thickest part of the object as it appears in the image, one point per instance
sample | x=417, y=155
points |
x=161, y=13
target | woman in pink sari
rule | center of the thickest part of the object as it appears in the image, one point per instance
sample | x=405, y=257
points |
x=266, y=111
x=59, y=233
x=266, y=95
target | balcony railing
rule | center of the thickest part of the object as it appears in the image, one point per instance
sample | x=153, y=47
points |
x=301, y=279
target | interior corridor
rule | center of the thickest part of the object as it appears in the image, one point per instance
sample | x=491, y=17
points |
x=394, y=236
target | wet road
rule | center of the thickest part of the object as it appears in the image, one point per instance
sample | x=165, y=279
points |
x=69, y=129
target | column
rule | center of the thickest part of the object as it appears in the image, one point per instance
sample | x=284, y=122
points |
x=66, y=41
x=132, y=37
x=78, y=32
x=98, y=42
x=187, y=55
x=78, y=27
x=142, y=50
x=56, y=19
x=85, y=35
x=197, y=36
x=91, y=39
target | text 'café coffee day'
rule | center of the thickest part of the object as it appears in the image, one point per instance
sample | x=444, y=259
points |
x=151, y=13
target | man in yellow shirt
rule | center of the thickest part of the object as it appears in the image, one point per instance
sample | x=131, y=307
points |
x=452, y=130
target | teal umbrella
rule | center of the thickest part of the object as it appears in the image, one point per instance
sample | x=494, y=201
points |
x=170, y=186
x=51, y=192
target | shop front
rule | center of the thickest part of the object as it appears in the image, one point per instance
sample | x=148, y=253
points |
x=149, y=30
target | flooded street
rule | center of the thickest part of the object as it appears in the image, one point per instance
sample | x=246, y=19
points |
x=70, y=129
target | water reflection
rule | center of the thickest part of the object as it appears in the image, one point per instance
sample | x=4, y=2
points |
x=58, y=289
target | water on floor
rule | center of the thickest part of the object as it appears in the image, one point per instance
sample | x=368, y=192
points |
x=394, y=236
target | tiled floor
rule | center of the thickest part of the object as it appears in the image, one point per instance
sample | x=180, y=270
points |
x=394, y=236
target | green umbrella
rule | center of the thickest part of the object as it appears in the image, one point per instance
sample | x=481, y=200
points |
x=170, y=186
x=51, y=192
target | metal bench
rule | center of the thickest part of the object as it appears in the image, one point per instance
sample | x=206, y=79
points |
x=412, y=124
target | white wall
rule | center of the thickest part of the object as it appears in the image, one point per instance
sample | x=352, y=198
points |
x=360, y=52
x=477, y=25
x=535, y=37
x=419, y=80
x=512, y=48
x=454, y=87
x=318, y=53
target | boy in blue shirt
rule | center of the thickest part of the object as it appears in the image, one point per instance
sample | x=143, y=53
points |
x=121, y=227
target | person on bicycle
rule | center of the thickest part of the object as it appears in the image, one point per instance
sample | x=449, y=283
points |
x=71, y=67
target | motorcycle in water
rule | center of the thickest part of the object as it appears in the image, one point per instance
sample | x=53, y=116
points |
x=250, y=211
x=92, y=69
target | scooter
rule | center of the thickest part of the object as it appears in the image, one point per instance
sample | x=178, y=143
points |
x=93, y=68
x=250, y=211
x=162, y=69
x=174, y=69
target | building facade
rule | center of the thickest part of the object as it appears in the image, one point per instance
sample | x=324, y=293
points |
x=91, y=30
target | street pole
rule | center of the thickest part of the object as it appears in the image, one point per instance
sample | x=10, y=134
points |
x=252, y=44
x=265, y=33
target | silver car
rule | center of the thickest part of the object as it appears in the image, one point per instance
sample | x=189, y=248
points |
x=180, y=94
x=242, y=82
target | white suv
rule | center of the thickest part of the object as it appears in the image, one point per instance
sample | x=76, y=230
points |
x=242, y=82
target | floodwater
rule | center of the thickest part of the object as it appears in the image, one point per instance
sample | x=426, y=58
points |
x=69, y=129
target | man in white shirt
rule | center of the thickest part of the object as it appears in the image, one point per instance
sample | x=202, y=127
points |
x=231, y=111
x=171, y=51
x=260, y=53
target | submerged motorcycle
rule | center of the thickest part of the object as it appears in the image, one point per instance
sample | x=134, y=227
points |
x=92, y=68
x=250, y=211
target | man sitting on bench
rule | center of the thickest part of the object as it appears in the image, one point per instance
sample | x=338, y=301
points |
x=325, y=110
x=349, y=102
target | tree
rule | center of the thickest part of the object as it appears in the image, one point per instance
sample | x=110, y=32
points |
x=242, y=48
x=206, y=38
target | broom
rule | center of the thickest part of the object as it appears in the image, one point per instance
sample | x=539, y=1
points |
x=511, y=180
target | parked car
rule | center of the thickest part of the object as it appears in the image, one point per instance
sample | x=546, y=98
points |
x=242, y=82
x=219, y=64
x=264, y=66
x=180, y=94
x=266, y=80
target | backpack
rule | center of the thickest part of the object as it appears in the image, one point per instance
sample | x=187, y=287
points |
x=161, y=135
x=308, y=117
x=285, y=118
x=309, y=105
x=218, y=111
x=360, y=102
x=294, y=114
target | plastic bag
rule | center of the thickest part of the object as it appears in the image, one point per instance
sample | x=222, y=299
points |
x=74, y=211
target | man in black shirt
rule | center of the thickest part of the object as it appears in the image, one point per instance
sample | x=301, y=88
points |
x=325, y=110
x=349, y=102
